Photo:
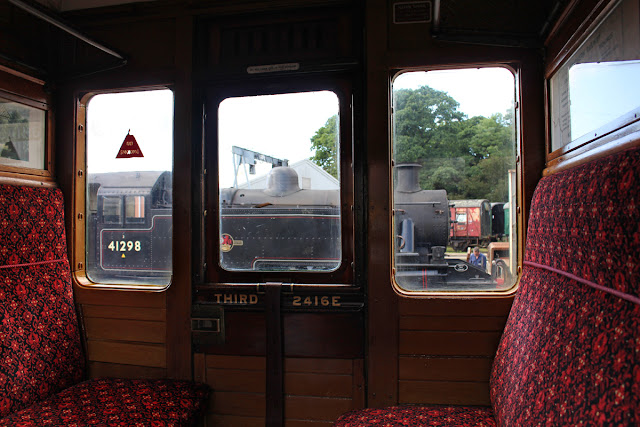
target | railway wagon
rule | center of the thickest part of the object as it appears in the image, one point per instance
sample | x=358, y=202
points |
x=221, y=312
x=472, y=225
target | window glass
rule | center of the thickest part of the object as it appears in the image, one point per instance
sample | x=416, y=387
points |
x=112, y=210
x=454, y=155
x=22, y=135
x=279, y=182
x=597, y=87
x=129, y=161
x=134, y=209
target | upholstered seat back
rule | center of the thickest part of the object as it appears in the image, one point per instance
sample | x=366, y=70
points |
x=570, y=352
x=40, y=349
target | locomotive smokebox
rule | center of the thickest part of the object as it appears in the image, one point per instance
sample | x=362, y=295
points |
x=428, y=209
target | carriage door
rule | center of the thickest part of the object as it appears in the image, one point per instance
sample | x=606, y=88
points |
x=277, y=313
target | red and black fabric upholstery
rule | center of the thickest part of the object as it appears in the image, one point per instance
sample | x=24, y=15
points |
x=41, y=358
x=116, y=402
x=40, y=351
x=570, y=352
x=435, y=416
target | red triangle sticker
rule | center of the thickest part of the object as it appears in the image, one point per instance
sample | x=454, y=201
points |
x=129, y=148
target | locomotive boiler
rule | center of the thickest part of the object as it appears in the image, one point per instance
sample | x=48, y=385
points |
x=281, y=227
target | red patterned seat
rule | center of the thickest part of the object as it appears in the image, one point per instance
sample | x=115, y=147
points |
x=570, y=352
x=115, y=402
x=435, y=416
x=41, y=359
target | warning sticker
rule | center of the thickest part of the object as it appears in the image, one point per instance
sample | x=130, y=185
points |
x=129, y=148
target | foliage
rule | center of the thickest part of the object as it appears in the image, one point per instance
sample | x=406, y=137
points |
x=325, y=143
x=470, y=158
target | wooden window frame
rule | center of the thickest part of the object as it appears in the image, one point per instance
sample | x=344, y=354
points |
x=515, y=69
x=79, y=235
x=344, y=276
x=21, y=88
x=576, y=24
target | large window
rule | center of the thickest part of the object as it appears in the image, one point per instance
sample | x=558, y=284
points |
x=597, y=90
x=454, y=180
x=129, y=162
x=279, y=183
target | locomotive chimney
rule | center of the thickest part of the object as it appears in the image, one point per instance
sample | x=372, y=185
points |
x=408, y=178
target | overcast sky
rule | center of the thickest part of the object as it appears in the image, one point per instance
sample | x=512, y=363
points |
x=280, y=126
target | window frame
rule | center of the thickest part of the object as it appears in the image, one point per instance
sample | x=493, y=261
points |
x=30, y=91
x=210, y=270
x=557, y=62
x=80, y=189
x=514, y=69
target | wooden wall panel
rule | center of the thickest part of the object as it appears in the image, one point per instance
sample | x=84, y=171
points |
x=316, y=390
x=127, y=354
x=238, y=384
x=446, y=348
x=124, y=332
x=101, y=369
x=115, y=312
x=304, y=408
x=445, y=368
x=459, y=343
x=444, y=393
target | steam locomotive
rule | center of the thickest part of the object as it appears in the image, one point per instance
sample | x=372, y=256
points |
x=422, y=226
x=280, y=227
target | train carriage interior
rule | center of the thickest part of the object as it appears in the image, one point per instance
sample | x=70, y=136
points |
x=310, y=213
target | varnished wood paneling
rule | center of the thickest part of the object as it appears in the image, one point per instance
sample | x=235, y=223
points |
x=334, y=366
x=444, y=392
x=452, y=323
x=358, y=384
x=445, y=369
x=461, y=307
x=320, y=385
x=307, y=423
x=449, y=343
x=112, y=297
x=199, y=368
x=152, y=355
x=316, y=390
x=315, y=408
x=237, y=380
x=119, y=312
x=100, y=369
x=238, y=404
x=235, y=362
x=125, y=330
x=214, y=420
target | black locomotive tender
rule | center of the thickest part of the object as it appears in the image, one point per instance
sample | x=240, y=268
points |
x=280, y=227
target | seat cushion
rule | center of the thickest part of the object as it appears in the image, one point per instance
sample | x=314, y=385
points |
x=418, y=416
x=40, y=351
x=117, y=402
x=570, y=351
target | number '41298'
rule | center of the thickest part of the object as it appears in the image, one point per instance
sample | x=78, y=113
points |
x=124, y=246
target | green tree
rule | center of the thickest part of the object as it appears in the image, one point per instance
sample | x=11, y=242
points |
x=467, y=157
x=325, y=144
x=421, y=117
